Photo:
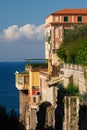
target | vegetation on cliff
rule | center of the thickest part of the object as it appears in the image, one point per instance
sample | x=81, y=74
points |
x=74, y=47
x=71, y=90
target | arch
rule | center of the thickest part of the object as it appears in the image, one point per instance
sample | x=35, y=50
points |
x=41, y=115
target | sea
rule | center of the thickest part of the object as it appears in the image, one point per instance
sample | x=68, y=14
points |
x=9, y=95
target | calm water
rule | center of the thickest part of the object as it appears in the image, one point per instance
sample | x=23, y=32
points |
x=9, y=95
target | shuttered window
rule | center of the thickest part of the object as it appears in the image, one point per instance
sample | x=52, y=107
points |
x=79, y=18
x=65, y=18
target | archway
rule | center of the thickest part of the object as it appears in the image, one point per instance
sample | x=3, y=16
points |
x=42, y=115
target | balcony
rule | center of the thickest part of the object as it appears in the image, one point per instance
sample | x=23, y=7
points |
x=22, y=80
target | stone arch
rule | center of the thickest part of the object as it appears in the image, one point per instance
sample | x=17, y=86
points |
x=42, y=115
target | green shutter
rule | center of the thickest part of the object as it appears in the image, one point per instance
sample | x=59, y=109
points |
x=79, y=18
x=65, y=18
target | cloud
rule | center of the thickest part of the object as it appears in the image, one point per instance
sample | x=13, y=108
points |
x=28, y=31
x=22, y=42
x=11, y=33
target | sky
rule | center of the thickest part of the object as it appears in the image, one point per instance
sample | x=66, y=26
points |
x=22, y=33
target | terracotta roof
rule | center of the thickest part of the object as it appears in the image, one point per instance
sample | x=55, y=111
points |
x=71, y=11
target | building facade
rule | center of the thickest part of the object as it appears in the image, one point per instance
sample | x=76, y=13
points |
x=27, y=82
x=55, y=24
x=39, y=84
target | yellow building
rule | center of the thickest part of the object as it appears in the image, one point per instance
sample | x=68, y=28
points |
x=27, y=82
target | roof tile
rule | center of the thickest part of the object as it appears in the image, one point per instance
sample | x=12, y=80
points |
x=71, y=11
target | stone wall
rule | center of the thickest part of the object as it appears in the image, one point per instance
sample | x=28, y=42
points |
x=71, y=112
x=77, y=73
x=23, y=101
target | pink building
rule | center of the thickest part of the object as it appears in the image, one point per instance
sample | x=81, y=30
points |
x=55, y=24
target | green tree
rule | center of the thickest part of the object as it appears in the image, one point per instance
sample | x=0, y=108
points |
x=71, y=90
x=74, y=46
x=9, y=121
x=82, y=54
x=62, y=53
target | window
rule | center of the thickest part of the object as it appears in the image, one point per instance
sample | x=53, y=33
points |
x=65, y=18
x=79, y=18
x=20, y=80
x=46, y=36
x=26, y=80
x=49, y=37
x=34, y=99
